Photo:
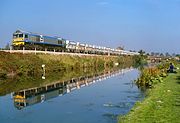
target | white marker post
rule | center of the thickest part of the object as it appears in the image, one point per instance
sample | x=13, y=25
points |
x=45, y=50
x=54, y=51
x=10, y=49
x=44, y=71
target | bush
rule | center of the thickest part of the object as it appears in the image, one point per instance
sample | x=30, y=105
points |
x=150, y=76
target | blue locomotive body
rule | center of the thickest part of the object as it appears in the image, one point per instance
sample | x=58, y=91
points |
x=21, y=38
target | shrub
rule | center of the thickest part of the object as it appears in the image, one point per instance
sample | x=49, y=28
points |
x=150, y=76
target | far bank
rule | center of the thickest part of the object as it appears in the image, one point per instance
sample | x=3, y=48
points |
x=18, y=64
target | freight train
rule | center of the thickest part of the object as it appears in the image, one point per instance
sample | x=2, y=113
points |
x=29, y=40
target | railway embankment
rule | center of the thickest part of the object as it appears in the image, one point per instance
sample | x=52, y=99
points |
x=18, y=64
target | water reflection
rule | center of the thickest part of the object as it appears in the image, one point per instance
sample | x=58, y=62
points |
x=31, y=96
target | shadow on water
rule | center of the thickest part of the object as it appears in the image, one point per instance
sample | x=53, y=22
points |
x=118, y=105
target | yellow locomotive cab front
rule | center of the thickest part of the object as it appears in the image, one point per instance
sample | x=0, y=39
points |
x=18, y=41
x=19, y=98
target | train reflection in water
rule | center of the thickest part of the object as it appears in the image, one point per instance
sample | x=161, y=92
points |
x=36, y=95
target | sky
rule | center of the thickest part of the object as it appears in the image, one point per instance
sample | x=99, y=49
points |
x=151, y=25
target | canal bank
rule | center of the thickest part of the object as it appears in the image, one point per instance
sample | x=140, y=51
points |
x=17, y=64
x=162, y=103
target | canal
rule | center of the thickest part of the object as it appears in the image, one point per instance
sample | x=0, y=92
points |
x=92, y=98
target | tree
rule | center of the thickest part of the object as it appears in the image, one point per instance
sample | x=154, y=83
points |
x=161, y=54
x=167, y=54
x=141, y=52
x=120, y=48
x=152, y=53
x=157, y=54
x=147, y=54
x=174, y=54
x=177, y=55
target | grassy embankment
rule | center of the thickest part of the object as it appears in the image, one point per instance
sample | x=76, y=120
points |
x=162, y=104
x=19, y=71
x=30, y=64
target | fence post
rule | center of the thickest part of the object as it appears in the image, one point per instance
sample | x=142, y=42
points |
x=35, y=50
x=23, y=49
x=45, y=50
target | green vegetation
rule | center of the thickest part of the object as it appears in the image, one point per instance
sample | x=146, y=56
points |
x=20, y=71
x=30, y=64
x=23, y=82
x=161, y=105
x=140, y=60
x=150, y=76
x=18, y=64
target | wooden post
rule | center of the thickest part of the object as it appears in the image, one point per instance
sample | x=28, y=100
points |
x=35, y=50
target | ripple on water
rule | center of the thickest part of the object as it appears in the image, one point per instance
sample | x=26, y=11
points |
x=118, y=105
x=131, y=92
x=134, y=97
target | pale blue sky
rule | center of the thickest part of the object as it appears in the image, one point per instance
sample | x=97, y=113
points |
x=152, y=25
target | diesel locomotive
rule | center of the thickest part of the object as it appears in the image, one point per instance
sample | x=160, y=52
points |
x=33, y=40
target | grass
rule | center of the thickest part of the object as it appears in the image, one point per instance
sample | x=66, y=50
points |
x=30, y=64
x=19, y=71
x=162, y=104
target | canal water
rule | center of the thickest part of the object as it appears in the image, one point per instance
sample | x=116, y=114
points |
x=98, y=98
